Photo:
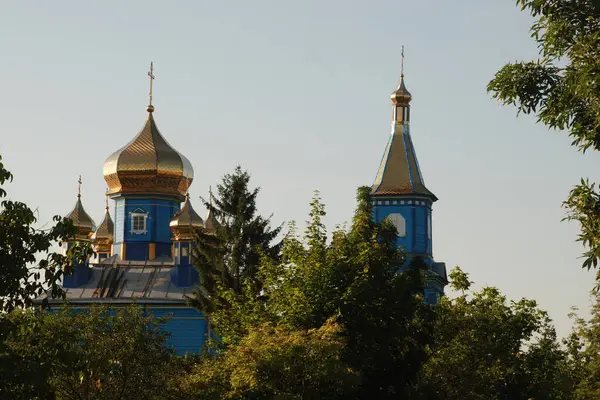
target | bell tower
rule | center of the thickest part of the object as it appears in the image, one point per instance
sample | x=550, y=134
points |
x=400, y=195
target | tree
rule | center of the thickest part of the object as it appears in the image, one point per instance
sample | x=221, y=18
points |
x=584, y=344
x=351, y=281
x=563, y=90
x=228, y=257
x=275, y=362
x=97, y=353
x=22, y=276
x=488, y=348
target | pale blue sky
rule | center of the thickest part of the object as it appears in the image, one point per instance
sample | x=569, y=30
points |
x=298, y=93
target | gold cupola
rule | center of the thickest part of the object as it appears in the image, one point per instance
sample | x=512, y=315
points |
x=401, y=96
x=103, y=238
x=81, y=219
x=148, y=165
x=186, y=221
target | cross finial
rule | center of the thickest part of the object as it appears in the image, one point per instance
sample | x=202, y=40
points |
x=150, y=107
x=79, y=186
x=210, y=195
x=402, y=64
x=106, y=200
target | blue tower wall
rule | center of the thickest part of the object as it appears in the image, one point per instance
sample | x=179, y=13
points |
x=417, y=215
x=80, y=275
x=159, y=211
x=417, y=240
x=183, y=274
x=182, y=252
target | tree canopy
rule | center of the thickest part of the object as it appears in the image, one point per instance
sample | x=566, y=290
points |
x=28, y=266
x=562, y=88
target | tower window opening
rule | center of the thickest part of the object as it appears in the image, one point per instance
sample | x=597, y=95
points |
x=138, y=223
x=399, y=222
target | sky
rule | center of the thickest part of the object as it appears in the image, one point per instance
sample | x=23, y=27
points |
x=297, y=93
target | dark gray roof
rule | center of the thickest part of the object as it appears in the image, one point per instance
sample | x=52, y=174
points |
x=118, y=281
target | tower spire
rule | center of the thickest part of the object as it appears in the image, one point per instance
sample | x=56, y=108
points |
x=150, y=107
x=79, y=187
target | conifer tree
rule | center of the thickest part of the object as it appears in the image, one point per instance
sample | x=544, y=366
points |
x=228, y=255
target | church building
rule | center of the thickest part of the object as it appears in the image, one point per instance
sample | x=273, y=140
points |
x=143, y=256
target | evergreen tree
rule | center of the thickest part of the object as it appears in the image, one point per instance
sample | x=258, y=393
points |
x=228, y=255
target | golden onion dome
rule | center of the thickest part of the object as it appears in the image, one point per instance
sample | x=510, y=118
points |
x=148, y=165
x=81, y=221
x=401, y=95
x=186, y=221
x=104, y=236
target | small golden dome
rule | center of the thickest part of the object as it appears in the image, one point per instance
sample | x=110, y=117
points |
x=186, y=221
x=104, y=236
x=148, y=165
x=401, y=95
x=81, y=221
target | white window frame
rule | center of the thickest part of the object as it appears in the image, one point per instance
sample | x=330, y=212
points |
x=399, y=222
x=144, y=217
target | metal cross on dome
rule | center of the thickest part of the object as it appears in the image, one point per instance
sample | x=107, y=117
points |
x=151, y=75
x=402, y=64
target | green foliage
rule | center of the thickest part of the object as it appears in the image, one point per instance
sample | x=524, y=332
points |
x=27, y=266
x=229, y=257
x=459, y=280
x=562, y=88
x=488, y=348
x=584, y=343
x=98, y=353
x=583, y=205
x=275, y=362
x=353, y=282
x=563, y=91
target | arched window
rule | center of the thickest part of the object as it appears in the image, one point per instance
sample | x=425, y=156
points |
x=399, y=222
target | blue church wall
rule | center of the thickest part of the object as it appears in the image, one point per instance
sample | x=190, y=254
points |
x=163, y=249
x=187, y=326
x=137, y=251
